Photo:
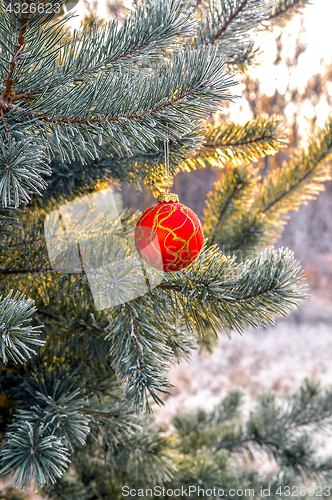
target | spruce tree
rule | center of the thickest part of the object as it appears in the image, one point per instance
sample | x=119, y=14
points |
x=79, y=111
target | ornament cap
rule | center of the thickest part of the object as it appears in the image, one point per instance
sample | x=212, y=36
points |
x=168, y=197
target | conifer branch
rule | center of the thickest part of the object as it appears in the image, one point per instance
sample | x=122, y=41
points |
x=260, y=222
x=16, y=335
x=32, y=270
x=19, y=175
x=237, y=143
x=83, y=168
x=237, y=11
x=271, y=428
x=169, y=21
x=98, y=49
x=134, y=358
x=305, y=175
x=284, y=10
x=6, y=92
x=54, y=423
x=136, y=342
x=164, y=106
x=145, y=168
x=231, y=143
x=25, y=95
x=237, y=185
x=230, y=25
x=230, y=296
x=239, y=442
x=111, y=119
x=29, y=451
x=61, y=319
x=5, y=124
x=232, y=193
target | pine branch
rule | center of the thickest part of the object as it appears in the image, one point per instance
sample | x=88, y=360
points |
x=100, y=48
x=21, y=38
x=52, y=110
x=233, y=444
x=303, y=179
x=15, y=312
x=144, y=460
x=286, y=428
x=68, y=330
x=238, y=11
x=219, y=294
x=230, y=25
x=284, y=10
x=34, y=51
x=233, y=193
x=59, y=415
x=164, y=106
x=57, y=403
x=111, y=419
x=150, y=460
x=283, y=190
x=89, y=52
x=5, y=125
x=244, y=58
x=12, y=16
x=93, y=50
x=308, y=408
x=237, y=143
x=27, y=449
x=139, y=353
x=61, y=319
x=189, y=426
x=142, y=169
x=230, y=143
x=281, y=428
x=21, y=165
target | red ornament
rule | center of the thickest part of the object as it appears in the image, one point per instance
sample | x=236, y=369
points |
x=169, y=235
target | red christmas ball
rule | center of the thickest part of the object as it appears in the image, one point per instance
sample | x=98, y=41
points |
x=169, y=235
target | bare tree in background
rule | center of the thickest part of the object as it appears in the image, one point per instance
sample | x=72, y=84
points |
x=309, y=231
x=114, y=8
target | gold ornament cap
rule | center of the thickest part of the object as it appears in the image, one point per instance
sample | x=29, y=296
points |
x=168, y=197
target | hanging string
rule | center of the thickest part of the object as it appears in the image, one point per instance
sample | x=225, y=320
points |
x=166, y=148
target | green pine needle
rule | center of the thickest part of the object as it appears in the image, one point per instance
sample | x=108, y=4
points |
x=15, y=312
x=243, y=143
x=284, y=10
x=33, y=454
x=21, y=164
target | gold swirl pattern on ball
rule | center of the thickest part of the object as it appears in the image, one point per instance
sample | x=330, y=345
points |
x=159, y=223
